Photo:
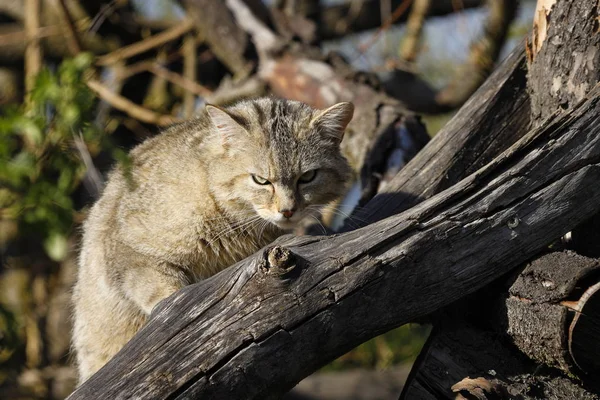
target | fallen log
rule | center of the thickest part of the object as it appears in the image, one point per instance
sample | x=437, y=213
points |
x=478, y=347
x=462, y=362
x=257, y=328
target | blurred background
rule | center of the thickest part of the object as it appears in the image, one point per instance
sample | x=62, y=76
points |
x=81, y=82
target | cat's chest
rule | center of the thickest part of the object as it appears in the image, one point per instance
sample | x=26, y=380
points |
x=220, y=249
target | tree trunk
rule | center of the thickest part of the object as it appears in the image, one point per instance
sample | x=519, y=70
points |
x=541, y=315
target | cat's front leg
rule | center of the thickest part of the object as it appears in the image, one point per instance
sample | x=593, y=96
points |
x=148, y=285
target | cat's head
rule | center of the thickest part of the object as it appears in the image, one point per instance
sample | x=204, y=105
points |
x=280, y=159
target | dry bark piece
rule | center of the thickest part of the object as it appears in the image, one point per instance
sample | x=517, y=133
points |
x=538, y=310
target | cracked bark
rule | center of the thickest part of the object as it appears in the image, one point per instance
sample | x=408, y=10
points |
x=529, y=320
x=249, y=334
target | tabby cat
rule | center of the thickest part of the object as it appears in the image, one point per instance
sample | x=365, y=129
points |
x=197, y=198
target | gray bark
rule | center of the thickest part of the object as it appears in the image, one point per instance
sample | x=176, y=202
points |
x=490, y=122
x=257, y=328
x=564, y=64
x=462, y=362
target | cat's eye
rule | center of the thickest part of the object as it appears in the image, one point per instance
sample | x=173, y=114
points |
x=259, y=180
x=308, y=176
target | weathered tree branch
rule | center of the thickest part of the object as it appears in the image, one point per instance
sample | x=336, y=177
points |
x=490, y=122
x=419, y=96
x=257, y=328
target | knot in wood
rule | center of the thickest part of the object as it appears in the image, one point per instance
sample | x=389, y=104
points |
x=513, y=222
x=280, y=260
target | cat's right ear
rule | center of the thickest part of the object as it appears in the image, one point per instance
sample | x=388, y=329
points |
x=333, y=121
x=228, y=127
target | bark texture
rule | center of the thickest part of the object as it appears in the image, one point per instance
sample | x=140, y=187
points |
x=257, y=328
x=564, y=63
x=462, y=362
x=491, y=121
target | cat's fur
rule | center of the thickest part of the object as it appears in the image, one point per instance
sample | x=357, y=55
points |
x=189, y=207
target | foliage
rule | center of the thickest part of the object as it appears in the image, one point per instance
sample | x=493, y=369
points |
x=401, y=345
x=39, y=165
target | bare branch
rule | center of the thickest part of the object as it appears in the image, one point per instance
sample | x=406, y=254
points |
x=71, y=33
x=189, y=74
x=147, y=44
x=182, y=81
x=414, y=30
x=121, y=103
x=33, y=51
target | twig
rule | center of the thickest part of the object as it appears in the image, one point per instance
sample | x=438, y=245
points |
x=189, y=73
x=414, y=30
x=72, y=38
x=19, y=36
x=401, y=9
x=146, y=44
x=127, y=106
x=146, y=65
x=187, y=84
x=105, y=11
x=33, y=51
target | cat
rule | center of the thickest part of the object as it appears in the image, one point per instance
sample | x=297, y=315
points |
x=194, y=200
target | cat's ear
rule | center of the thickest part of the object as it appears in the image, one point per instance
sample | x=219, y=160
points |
x=228, y=127
x=334, y=120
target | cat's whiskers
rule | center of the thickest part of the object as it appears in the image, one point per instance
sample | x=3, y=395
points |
x=353, y=220
x=262, y=227
x=231, y=229
x=318, y=222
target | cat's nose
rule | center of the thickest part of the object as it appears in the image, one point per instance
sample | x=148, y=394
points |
x=287, y=213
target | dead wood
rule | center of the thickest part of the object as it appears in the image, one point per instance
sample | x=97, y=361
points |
x=462, y=361
x=563, y=64
x=542, y=304
x=257, y=328
x=494, y=118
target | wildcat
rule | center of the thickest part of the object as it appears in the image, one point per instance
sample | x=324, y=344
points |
x=197, y=198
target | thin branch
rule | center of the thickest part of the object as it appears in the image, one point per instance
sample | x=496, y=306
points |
x=398, y=12
x=175, y=78
x=33, y=51
x=147, y=44
x=414, y=30
x=19, y=36
x=71, y=32
x=92, y=181
x=189, y=74
x=146, y=65
x=130, y=108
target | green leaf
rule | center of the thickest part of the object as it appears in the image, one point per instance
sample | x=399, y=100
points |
x=56, y=246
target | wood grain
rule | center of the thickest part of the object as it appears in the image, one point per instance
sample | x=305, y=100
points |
x=254, y=331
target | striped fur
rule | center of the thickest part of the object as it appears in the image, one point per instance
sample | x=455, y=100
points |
x=189, y=207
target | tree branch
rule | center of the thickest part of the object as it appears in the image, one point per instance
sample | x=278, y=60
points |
x=127, y=106
x=257, y=328
x=33, y=51
x=146, y=44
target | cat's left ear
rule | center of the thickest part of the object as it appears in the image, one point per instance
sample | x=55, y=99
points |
x=334, y=120
x=228, y=127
